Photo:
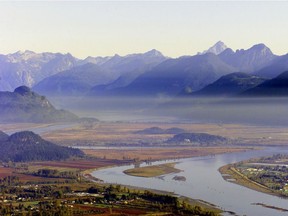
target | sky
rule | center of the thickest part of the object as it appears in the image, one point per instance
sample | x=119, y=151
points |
x=95, y=28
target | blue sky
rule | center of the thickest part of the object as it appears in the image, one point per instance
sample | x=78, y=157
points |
x=175, y=28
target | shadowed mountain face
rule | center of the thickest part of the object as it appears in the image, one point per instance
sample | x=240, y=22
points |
x=277, y=67
x=277, y=87
x=24, y=105
x=229, y=85
x=171, y=76
x=74, y=82
x=26, y=146
x=109, y=73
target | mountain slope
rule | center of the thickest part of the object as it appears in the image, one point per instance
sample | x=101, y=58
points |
x=216, y=49
x=173, y=75
x=279, y=65
x=248, y=60
x=230, y=84
x=76, y=81
x=27, y=146
x=113, y=72
x=24, y=105
x=277, y=87
x=128, y=68
x=28, y=68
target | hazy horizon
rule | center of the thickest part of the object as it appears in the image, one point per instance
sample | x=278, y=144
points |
x=96, y=28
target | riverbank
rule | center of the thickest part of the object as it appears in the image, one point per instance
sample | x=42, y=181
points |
x=143, y=154
x=204, y=205
x=229, y=173
x=154, y=171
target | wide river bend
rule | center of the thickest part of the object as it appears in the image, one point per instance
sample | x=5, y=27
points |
x=204, y=182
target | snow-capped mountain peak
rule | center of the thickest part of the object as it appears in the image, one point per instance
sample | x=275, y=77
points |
x=154, y=53
x=21, y=56
x=217, y=48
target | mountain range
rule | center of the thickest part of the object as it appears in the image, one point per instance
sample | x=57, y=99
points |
x=109, y=73
x=153, y=75
x=171, y=76
x=149, y=74
x=28, y=68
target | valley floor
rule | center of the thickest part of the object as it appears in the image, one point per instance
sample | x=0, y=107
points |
x=109, y=144
x=124, y=133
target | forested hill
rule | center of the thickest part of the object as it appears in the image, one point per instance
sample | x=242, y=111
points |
x=24, y=105
x=27, y=146
x=198, y=139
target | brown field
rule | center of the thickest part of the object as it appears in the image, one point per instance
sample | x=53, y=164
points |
x=158, y=153
x=113, y=211
x=121, y=132
x=5, y=171
x=78, y=165
x=81, y=164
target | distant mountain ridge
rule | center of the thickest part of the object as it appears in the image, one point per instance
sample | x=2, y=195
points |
x=229, y=85
x=276, y=87
x=28, y=68
x=171, y=76
x=278, y=66
x=110, y=73
x=216, y=49
x=76, y=81
x=192, y=73
x=142, y=74
x=250, y=60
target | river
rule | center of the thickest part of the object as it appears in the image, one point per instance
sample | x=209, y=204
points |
x=204, y=182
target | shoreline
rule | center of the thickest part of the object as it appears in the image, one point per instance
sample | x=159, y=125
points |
x=230, y=174
x=191, y=201
x=87, y=174
x=241, y=149
x=181, y=152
